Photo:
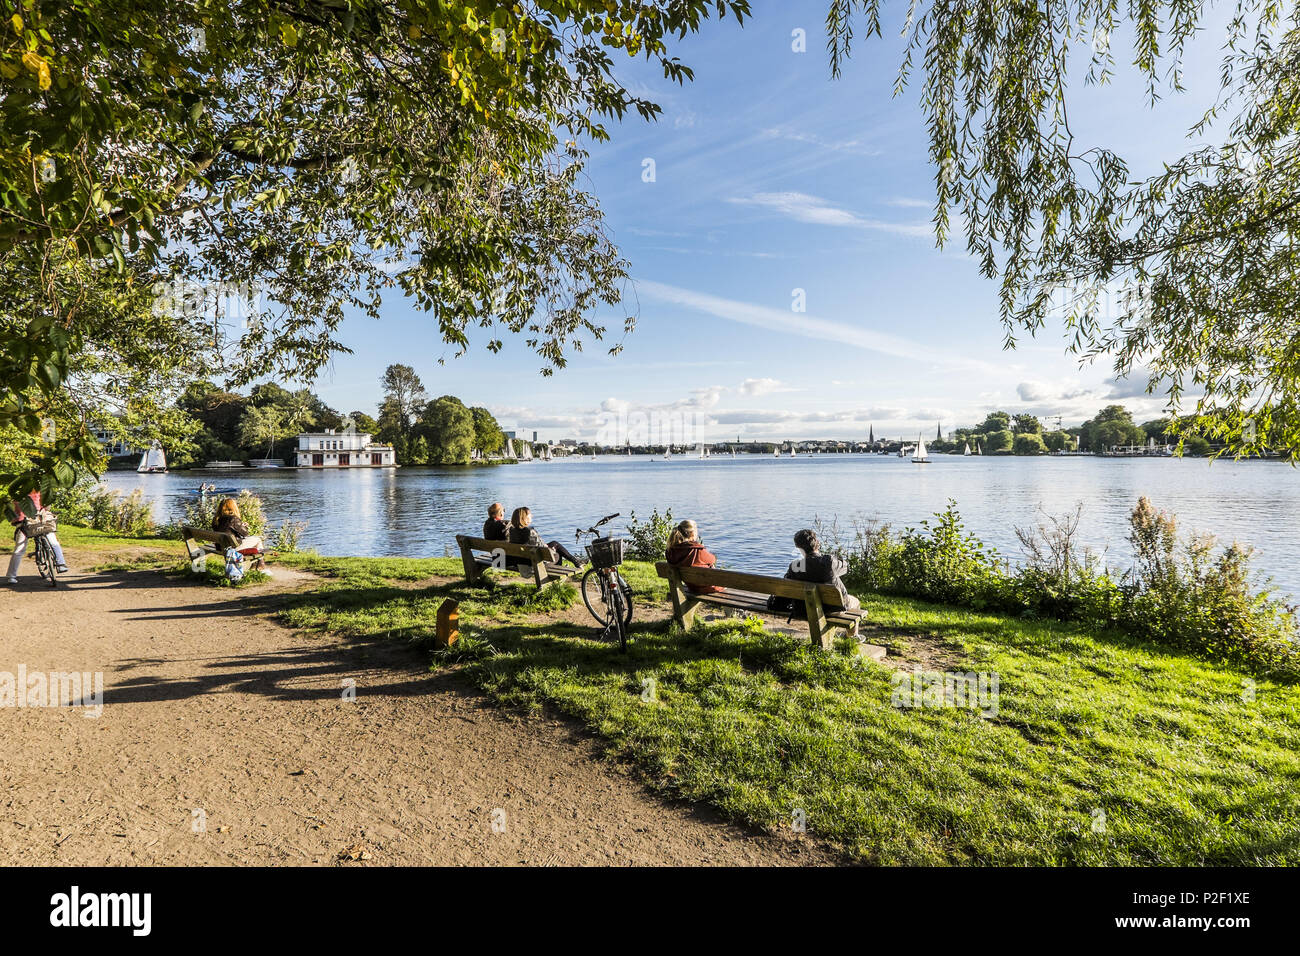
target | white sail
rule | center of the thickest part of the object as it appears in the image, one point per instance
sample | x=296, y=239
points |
x=966, y=451
x=510, y=448
x=921, y=456
x=153, y=461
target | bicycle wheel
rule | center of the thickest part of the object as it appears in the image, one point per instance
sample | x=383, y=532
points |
x=45, y=561
x=593, y=595
x=620, y=627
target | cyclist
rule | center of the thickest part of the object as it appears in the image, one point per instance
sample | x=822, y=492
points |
x=18, y=519
x=686, y=551
x=523, y=532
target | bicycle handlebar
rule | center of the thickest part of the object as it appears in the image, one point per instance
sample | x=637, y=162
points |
x=592, y=529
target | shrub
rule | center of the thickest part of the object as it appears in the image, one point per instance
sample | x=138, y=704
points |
x=648, y=540
x=285, y=539
x=1180, y=593
x=72, y=505
x=942, y=562
x=116, y=513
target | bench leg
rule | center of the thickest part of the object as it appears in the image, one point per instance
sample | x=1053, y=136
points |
x=683, y=605
x=541, y=573
x=818, y=627
x=198, y=556
x=467, y=559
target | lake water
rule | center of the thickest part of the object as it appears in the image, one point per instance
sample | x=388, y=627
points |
x=748, y=507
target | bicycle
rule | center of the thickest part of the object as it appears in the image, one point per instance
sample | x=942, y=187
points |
x=606, y=594
x=44, y=555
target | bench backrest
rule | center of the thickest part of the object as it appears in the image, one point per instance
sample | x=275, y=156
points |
x=757, y=583
x=223, y=538
x=527, y=552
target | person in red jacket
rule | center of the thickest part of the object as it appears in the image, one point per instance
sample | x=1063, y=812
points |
x=686, y=551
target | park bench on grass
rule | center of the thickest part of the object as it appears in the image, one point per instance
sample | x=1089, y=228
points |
x=749, y=593
x=506, y=556
x=199, y=543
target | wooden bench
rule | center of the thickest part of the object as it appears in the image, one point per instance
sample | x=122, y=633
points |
x=506, y=556
x=199, y=543
x=749, y=593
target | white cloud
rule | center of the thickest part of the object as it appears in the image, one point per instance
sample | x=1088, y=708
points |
x=762, y=386
x=854, y=146
x=811, y=209
x=804, y=325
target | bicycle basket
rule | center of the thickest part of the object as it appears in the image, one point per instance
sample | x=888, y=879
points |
x=605, y=552
x=41, y=524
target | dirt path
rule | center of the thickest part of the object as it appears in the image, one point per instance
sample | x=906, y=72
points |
x=225, y=739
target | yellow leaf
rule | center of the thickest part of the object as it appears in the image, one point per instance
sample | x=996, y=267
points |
x=414, y=32
x=289, y=34
x=17, y=21
x=33, y=62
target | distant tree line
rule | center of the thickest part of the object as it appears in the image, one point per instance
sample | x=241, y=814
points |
x=1002, y=433
x=266, y=422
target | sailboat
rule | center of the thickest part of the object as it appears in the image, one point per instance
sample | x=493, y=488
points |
x=528, y=453
x=966, y=450
x=701, y=452
x=510, y=448
x=153, y=462
x=793, y=454
x=921, y=457
x=977, y=449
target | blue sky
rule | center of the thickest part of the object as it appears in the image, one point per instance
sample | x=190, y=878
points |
x=770, y=178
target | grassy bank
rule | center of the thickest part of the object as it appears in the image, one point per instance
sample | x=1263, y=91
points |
x=1103, y=750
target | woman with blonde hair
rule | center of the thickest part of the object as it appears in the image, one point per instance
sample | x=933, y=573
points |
x=686, y=551
x=229, y=521
x=523, y=532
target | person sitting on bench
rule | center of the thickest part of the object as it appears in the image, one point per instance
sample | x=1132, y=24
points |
x=496, y=528
x=686, y=551
x=818, y=568
x=523, y=532
x=229, y=521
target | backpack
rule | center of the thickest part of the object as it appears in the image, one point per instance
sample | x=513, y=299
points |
x=787, y=606
x=234, y=566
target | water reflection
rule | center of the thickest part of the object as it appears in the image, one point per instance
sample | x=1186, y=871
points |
x=749, y=507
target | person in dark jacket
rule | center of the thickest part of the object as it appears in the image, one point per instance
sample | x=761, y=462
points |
x=686, y=551
x=818, y=568
x=229, y=521
x=523, y=532
x=496, y=528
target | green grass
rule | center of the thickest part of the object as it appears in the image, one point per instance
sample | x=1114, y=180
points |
x=1183, y=768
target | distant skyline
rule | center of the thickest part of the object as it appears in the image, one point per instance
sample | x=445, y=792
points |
x=773, y=185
